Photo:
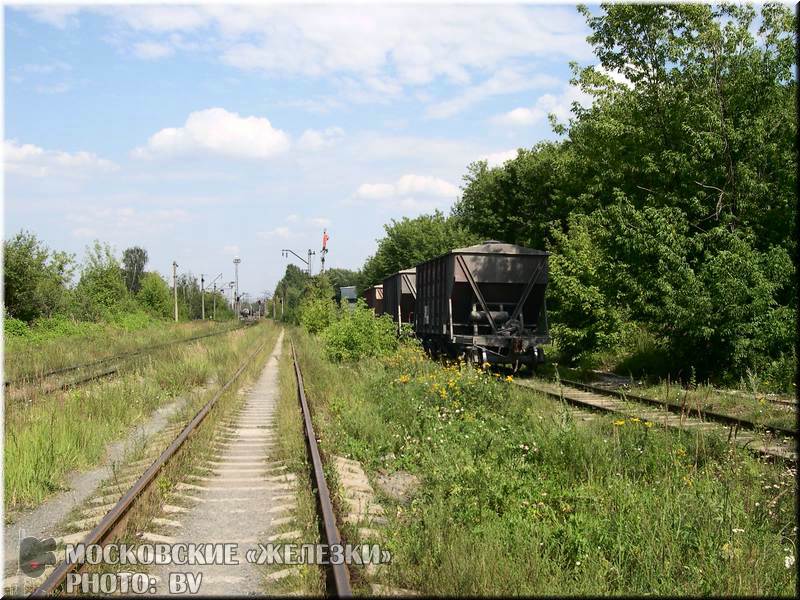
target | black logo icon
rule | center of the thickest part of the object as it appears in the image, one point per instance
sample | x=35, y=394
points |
x=35, y=555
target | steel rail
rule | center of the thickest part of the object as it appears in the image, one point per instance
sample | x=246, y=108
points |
x=564, y=396
x=678, y=409
x=38, y=377
x=114, y=520
x=338, y=572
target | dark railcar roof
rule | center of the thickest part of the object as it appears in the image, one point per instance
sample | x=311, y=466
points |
x=495, y=247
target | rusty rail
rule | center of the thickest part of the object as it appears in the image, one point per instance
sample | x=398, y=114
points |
x=31, y=378
x=563, y=393
x=677, y=409
x=338, y=576
x=115, y=519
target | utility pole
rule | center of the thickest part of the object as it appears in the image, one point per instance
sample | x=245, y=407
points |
x=214, y=281
x=236, y=262
x=324, y=250
x=202, y=298
x=175, y=287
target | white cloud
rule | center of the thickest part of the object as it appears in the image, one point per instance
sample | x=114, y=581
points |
x=405, y=192
x=504, y=81
x=217, y=131
x=152, y=50
x=84, y=232
x=496, y=159
x=124, y=222
x=32, y=161
x=159, y=19
x=320, y=221
x=372, y=51
x=292, y=218
x=231, y=250
x=56, y=88
x=616, y=76
x=316, y=140
x=58, y=16
x=278, y=232
x=560, y=105
x=417, y=46
x=45, y=69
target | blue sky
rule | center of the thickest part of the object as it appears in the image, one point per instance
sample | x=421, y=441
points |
x=204, y=131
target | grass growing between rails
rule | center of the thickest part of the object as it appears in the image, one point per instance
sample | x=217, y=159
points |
x=749, y=401
x=199, y=446
x=54, y=435
x=520, y=498
x=292, y=450
x=87, y=342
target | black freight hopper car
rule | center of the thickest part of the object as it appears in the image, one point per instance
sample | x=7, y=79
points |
x=400, y=295
x=485, y=302
x=374, y=298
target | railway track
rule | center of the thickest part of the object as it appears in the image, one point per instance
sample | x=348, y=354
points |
x=772, y=442
x=619, y=383
x=240, y=494
x=39, y=378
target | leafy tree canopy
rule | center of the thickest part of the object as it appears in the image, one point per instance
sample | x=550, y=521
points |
x=412, y=241
x=34, y=277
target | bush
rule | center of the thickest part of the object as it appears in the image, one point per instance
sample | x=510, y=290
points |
x=132, y=321
x=316, y=314
x=154, y=295
x=358, y=333
x=15, y=327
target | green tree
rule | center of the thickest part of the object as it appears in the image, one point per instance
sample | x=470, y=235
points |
x=290, y=290
x=101, y=288
x=343, y=277
x=35, y=279
x=684, y=163
x=134, y=260
x=412, y=241
x=155, y=296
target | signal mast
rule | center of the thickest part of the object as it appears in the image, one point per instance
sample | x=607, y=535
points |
x=324, y=251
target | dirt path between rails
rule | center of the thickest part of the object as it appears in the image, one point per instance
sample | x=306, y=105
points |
x=242, y=500
x=41, y=522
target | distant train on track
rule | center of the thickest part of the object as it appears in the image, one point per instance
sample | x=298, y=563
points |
x=485, y=303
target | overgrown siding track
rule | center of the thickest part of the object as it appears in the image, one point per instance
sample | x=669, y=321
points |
x=108, y=372
x=774, y=442
x=241, y=475
x=114, y=520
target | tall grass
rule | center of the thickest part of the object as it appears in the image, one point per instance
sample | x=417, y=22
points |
x=26, y=357
x=519, y=497
x=47, y=438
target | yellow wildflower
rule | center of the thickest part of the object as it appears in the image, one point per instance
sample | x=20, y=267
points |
x=648, y=424
x=509, y=378
x=619, y=423
x=635, y=420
